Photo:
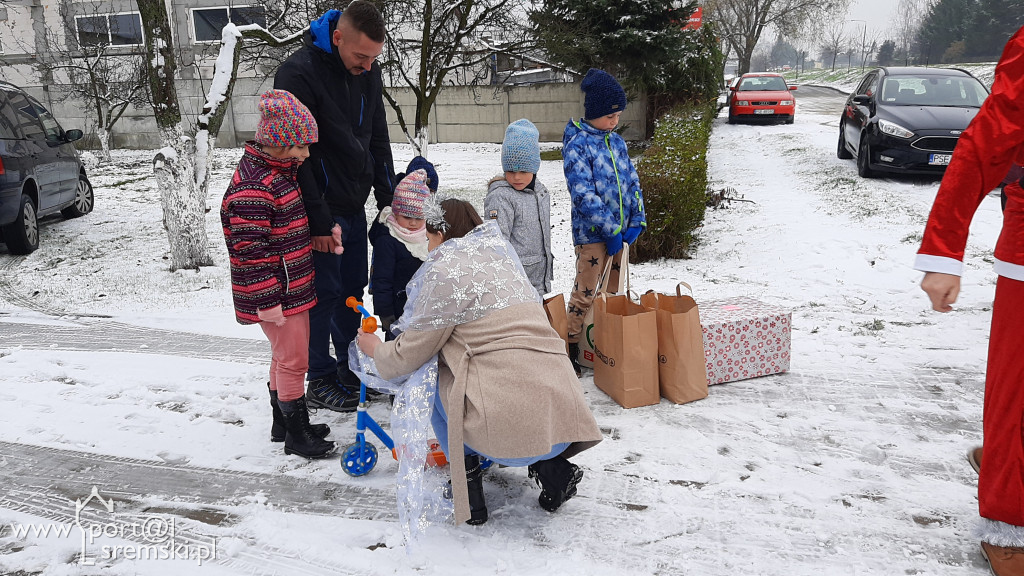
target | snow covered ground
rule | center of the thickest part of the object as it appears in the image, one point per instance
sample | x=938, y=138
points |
x=851, y=463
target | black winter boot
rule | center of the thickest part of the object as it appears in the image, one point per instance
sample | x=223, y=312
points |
x=277, y=431
x=299, y=438
x=475, y=483
x=557, y=478
x=574, y=357
x=328, y=392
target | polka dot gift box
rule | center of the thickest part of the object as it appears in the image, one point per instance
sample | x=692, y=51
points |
x=744, y=338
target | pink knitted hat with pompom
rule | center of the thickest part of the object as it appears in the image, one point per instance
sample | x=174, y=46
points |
x=410, y=194
x=284, y=121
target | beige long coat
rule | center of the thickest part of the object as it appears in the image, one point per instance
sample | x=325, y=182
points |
x=506, y=384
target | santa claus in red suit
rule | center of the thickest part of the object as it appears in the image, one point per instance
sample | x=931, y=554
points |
x=986, y=150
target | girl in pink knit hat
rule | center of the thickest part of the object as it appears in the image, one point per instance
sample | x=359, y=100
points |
x=268, y=243
x=398, y=254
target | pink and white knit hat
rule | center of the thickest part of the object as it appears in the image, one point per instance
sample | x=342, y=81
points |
x=284, y=121
x=410, y=194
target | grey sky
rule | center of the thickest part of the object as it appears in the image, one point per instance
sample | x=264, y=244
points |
x=877, y=13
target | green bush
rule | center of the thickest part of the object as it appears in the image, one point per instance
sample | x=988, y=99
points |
x=674, y=177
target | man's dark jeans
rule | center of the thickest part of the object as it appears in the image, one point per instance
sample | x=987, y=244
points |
x=337, y=278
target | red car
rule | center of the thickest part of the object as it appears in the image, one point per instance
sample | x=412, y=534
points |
x=761, y=96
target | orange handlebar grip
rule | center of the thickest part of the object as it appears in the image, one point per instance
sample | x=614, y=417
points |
x=369, y=325
x=352, y=303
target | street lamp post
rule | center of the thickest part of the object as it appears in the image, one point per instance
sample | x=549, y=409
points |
x=863, y=41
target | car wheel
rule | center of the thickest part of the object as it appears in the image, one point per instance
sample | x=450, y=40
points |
x=84, y=199
x=790, y=120
x=732, y=119
x=841, y=151
x=22, y=235
x=864, y=158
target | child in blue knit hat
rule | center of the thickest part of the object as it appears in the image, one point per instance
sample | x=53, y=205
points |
x=607, y=203
x=520, y=203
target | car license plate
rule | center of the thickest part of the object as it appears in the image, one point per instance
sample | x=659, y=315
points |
x=939, y=159
x=765, y=111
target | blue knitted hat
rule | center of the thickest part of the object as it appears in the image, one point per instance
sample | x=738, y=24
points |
x=421, y=163
x=520, y=151
x=602, y=94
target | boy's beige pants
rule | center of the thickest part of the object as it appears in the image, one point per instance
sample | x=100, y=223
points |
x=590, y=263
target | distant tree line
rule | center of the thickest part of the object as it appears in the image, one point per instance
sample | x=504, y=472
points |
x=966, y=30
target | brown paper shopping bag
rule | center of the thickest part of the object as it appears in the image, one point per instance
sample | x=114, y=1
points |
x=626, y=364
x=681, y=366
x=554, y=307
x=621, y=286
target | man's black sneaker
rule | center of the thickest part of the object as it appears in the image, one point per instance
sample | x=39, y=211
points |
x=350, y=381
x=327, y=392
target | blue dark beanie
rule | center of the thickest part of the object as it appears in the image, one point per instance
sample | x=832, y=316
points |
x=520, y=151
x=602, y=94
x=421, y=163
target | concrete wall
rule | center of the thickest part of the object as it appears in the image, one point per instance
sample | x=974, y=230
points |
x=460, y=114
x=481, y=113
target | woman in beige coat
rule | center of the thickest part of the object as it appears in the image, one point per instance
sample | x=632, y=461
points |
x=506, y=389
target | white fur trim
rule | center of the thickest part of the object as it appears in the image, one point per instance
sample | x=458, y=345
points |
x=1000, y=533
x=930, y=263
x=1009, y=270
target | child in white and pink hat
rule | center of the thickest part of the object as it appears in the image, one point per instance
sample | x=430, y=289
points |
x=398, y=254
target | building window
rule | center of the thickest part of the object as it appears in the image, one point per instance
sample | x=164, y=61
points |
x=207, y=23
x=110, y=30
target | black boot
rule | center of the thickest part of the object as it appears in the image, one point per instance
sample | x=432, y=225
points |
x=557, y=478
x=327, y=392
x=299, y=438
x=475, y=483
x=277, y=431
x=574, y=357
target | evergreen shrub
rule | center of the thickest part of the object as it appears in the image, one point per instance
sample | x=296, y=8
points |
x=674, y=177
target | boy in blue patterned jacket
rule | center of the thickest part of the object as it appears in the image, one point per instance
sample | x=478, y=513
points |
x=607, y=204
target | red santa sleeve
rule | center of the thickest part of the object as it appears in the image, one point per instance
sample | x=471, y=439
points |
x=984, y=154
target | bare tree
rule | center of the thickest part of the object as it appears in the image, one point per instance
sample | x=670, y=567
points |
x=90, y=68
x=905, y=24
x=833, y=37
x=870, y=42
x=182, y=165
x=430, y=39
x=742, y=22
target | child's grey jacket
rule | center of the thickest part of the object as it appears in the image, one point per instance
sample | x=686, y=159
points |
x=525, y=221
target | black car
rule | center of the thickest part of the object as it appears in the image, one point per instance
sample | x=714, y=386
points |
x=907, y=119
x=40, y=170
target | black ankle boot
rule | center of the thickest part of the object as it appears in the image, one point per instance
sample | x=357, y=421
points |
x=299, y=438
x=574, y=357
x=475, y=483
x=557, y=478
x=277, y=430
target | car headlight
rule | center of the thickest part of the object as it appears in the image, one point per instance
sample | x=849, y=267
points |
x=743, y=103
x=785, y=102
x=894, y=129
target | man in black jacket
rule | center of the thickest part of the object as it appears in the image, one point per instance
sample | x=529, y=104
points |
x=335, y=75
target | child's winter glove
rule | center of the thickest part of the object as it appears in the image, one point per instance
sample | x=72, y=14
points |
x=386, y=322
x=613, y=244
x=631, y=234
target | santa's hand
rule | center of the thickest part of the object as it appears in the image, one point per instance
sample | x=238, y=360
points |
x=942, y=289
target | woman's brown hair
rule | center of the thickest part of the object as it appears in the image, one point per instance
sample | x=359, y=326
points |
x=460, y=216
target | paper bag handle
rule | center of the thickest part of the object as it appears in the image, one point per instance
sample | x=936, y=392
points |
x=678, y=293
